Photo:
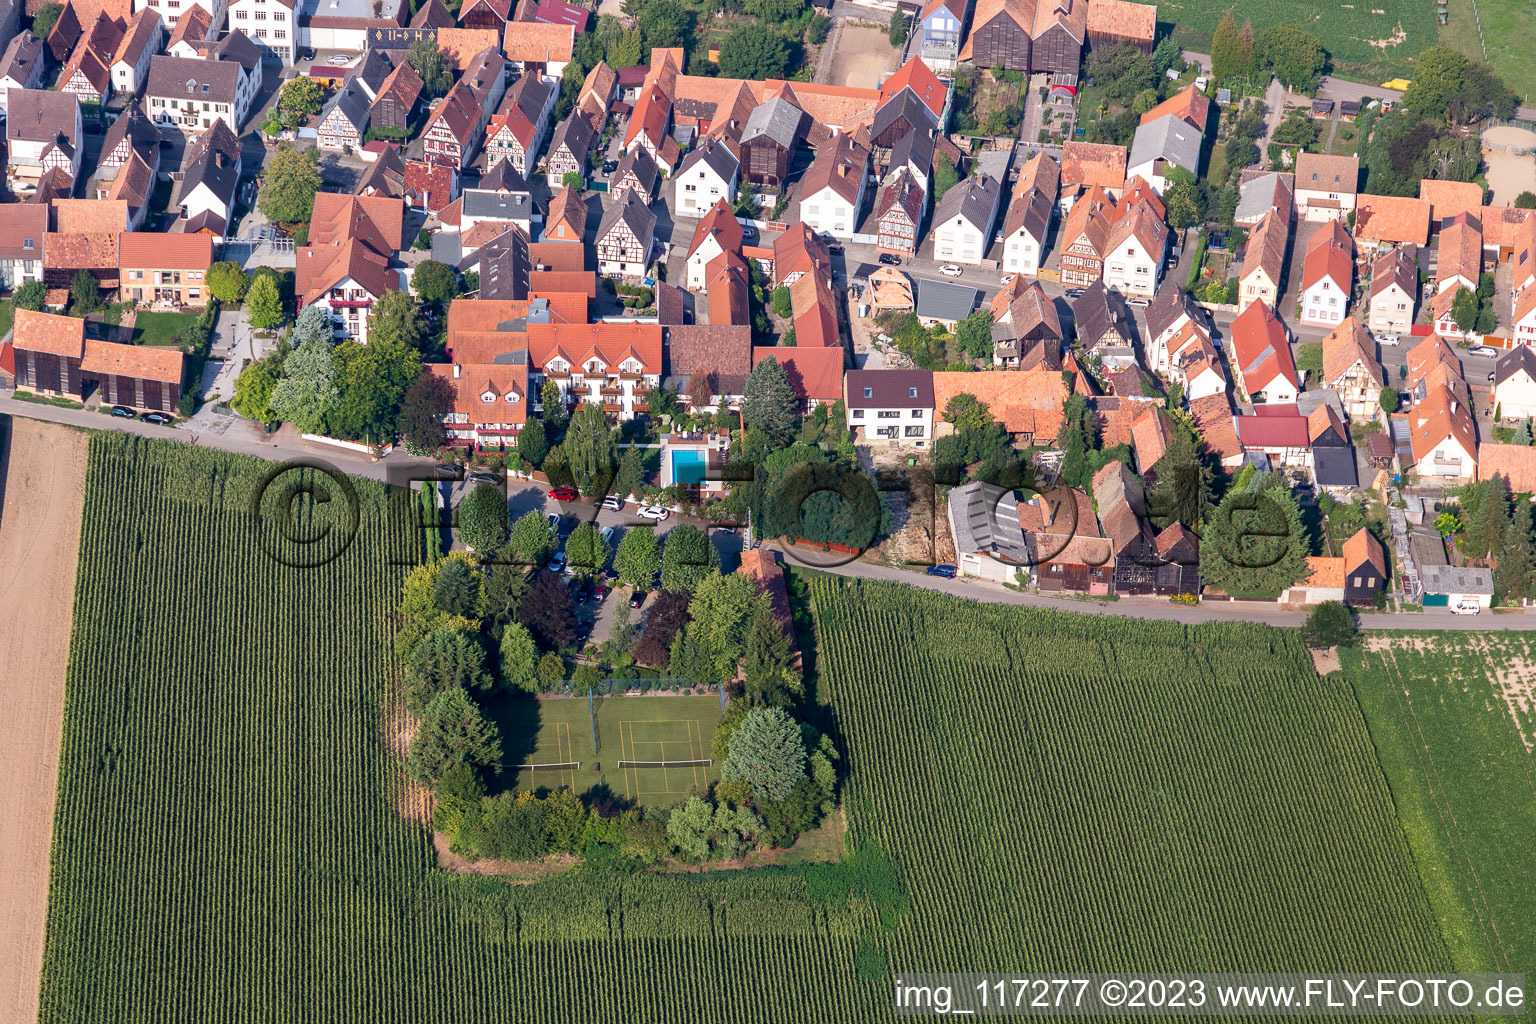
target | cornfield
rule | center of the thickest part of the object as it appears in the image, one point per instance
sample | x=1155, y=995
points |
x=232, y=842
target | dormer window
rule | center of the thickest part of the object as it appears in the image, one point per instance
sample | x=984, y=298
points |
x=512, y=398
x=488, y=397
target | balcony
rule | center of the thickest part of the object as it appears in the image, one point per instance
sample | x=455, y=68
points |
x=631, y=376
x=612, y=392
x=612, y=407
x=642, y=407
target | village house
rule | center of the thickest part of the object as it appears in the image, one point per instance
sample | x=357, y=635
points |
x=718, y=232
x=962, y=223
x=1514, y=383
x=1086, y=165
x=1278, y=433
x=1135, y=248
x=1160, y=146
x=141, y=41
x=43, y=130
x=728, y=283
x=1066, y=546
x=272, y=25
x=516, y=133
x=1394, y=292
x=1327, y=276
x=1333, y=456
x=567, y=219
x=21, y=66
x=1084, y=238
x=345, y=118
x=189, y=29
x=1103, y=323
x=490, y=400
x=1122, y=511
x=815, y=374
x=192, y=94
x=1029, y=216
x=899, y=212
x=395, y=101
x=1026, y=332
x=1264, y=261
x=430, y=186
x=1350, y=368
x=456, y=127
x=832, y=189
x=1443, y=437
x=1365, y=569
x=625, y=237
x=538, y=48
x=1261, y=355
x=637, y=173
x=707, y=175
x=773, y=132
x=798, y=252
x=210, y=180
x=1326, y=186
x=570, y=149
x=984, y=524
x=345, y=268
x=1390, y=221
x=23, y=228
x=158, y=269
x=940, y=25
x=1265, y=192
x=891, y=407
x=54, y=357
x=1171, y=316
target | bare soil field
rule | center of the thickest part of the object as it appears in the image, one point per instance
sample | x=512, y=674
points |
x=39, y=547
x=1509, y=171
x=863, y=57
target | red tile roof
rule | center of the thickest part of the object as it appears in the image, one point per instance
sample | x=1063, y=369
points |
x=1260, y=348
x=148, y=362
x=49, y=332
x=154, y=250
x=918, y=77
x=815, y=373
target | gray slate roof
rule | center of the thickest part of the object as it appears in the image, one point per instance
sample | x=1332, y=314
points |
x=778, y=120
x=1451, y=579
x=1518, y=358
x=641, y=221
x=713, y=154
x=1257, y=197
x=943, y=301
x=1169, y=138
x=986, y=519
x=890, y=389
x=21, y=56
x=914, y=150
x=497, y=205
x=353, y=102
x=975, y=199
x=211, y=81
x=904, y=106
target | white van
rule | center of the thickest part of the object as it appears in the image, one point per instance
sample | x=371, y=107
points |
x=1466, y=608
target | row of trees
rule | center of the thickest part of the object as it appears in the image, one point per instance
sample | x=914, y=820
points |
x=1292, y=54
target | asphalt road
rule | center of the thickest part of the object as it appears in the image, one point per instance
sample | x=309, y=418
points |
x=524, y=496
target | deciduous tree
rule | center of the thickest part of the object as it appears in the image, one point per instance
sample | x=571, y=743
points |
x=1330, y=624
x=435, y=71
x=227, y=281
x=754, y=51
x=307, y=389
x=519, y=658
x=549, y=613
x=483, y=518
x=422, y=409
x=638, y=559
x=435, y=282
x=532, y=538
x=288, y=186
x=687, y=558
x=264, y=304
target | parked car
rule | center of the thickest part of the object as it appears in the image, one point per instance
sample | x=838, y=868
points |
x=1007, y=280
x=157, y=418
x=637, y=598
x=1480, y=350
x=1074, y=293
x=890, y=259
x=602, y=592
x=556, y=562
x=1466, y=608
x=726, y=529
x=485, y=478
x=554, y=521
x=448, y=471
x=123, y=412
x=579, y=592
x=1138, y=300
x=950, y=270
x=1389, y=339
x=607, y=535
x=612, y=504
x=609, y=166
x=655, y=512
x=946, y=571
x=562, y=494
x=566, y=528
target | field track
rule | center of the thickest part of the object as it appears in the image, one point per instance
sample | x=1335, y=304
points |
x=39, y=546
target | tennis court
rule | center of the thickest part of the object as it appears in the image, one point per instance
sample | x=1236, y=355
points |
x=668, y=740
x=553, y=763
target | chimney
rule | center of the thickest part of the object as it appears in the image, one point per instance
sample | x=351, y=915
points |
x=455, y=371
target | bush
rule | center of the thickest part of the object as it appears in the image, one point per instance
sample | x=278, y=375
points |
x=1331, y=624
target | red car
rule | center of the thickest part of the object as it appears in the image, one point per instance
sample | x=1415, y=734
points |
x=562, y=494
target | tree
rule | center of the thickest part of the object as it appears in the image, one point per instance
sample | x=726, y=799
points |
x=1122, y=69
x=533, y=442
x=1523, y=433
x=32, y=294
x=372, y=381
x=396, y=320
x=1248, y=61
x=1077, y=438
x=549, y=613
x=945, y=176
x=532, y=538
x=1331, y=624
x=781, y=302
x=1389, y=400
x=447, y=659
x=264, y=305
x=666, y=24
x=483, y=518
x=84, y=293
x=667, y=617
x=453, y=732
x=1294, y=55
x=638, y=559
x=1298, y=129
x=687, y=558
x=1184, y=203
x=307, y=388
x=721, y=615
x=688, y=828
x=770, y=679
x=288, y=186
x=422, y=409
x=519, y=658
x=227, y=281
x=754, y=51
x=458, y=589
x=974, y=335
x=1525, y=201
x=817, y=29
x=1254, y=544
x=435, y=282
x=586, y=552
x=590, y=449
x=896, y=32
x=313, y=324
x=253, y=389
x=967, y=413
x=46, y=17
x=301, y=95
x=1515, y=575
x=435, y=71
x=767, y=753
x=769, y=403
x=1464, y=307
x=1226, y=48
x=1448, y=87
x=630, y=476
x=553, y=402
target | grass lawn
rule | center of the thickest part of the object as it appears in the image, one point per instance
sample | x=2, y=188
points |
x=1463, y=782
x=6, y=316
x=1507, y=29
x=558, y=730
x=162, y=328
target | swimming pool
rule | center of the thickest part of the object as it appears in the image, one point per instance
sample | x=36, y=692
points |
x=688, y=466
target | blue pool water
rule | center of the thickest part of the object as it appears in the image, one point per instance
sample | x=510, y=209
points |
x=688, y=466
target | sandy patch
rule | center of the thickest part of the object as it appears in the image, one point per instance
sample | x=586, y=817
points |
x=863, y=57
x=1516, y=679
x=1509, y=174
x=1396, y=38
x=39, y=548
x=1325, y=661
